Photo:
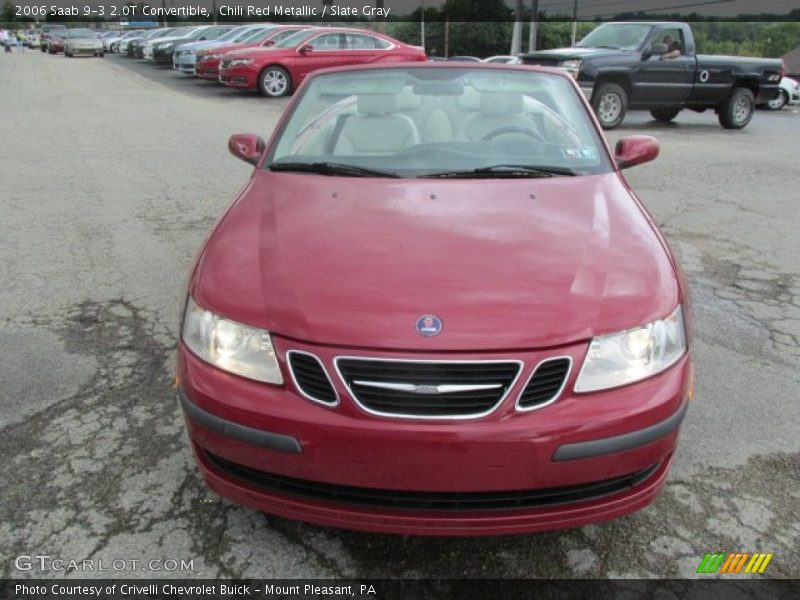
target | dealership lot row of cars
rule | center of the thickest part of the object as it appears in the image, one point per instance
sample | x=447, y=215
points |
x=272, y=59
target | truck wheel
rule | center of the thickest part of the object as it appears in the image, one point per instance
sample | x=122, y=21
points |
x=610, y=102
x=665, y=115
x=738, y=109
x=781, y=100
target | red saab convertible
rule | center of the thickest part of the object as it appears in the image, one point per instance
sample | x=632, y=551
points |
x=437, y=308
x=278, y=70
x=207, y=66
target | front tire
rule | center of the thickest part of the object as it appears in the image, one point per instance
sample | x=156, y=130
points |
x=781, y=100
x=738, y=109
x=610, y=103
x=274, y=82
x=664, y=115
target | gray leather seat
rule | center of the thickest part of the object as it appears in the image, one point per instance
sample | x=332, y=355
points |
x=497, y=111
x=376, y=128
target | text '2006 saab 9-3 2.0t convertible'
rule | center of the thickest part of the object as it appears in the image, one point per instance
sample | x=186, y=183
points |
x=436, y=308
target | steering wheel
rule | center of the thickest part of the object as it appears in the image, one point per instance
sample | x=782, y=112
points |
x=512, y=129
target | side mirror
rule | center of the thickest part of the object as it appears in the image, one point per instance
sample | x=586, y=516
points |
x=658, y=49
x=269, y=43
x=247, y=146
x=305, y=48
x=635, y=150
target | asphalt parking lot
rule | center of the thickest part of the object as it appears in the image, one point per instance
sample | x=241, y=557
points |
x=112, y=172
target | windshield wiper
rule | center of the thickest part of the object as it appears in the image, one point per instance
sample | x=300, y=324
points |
x=502, y=171
x=331, y=168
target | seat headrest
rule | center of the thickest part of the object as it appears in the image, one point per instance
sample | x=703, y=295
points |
x=407, y=99
x=377, y=104
x=470, y=99
x=501, y=104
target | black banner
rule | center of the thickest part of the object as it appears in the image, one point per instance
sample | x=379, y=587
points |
x=733, y=588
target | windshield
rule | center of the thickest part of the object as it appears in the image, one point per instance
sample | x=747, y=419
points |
x=80, y=33
x=296, y=39
x=621, y=36
x=429, y=122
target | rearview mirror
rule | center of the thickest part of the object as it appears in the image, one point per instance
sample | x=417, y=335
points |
x=305, y=48
x=635, y=150
x=247, y=146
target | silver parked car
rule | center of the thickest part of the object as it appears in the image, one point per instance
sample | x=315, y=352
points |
x=82, y=41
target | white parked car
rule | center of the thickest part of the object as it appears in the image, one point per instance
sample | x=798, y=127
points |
x=789, y=94
x=509, y=60
x=82, y=41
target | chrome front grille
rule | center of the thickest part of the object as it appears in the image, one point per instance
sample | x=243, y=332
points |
x=428, y=389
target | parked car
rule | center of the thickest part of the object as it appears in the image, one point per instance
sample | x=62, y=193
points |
x=165, y=47
x=279, y=69
x=82, y=41
x=535, y=380
x=33, y=38
x=208, y=60
x=140, y=44
x=653, y=66
x=463, y=59
x=114, y=44
x=502, y=59
x=184, y=55
x=44, y=32
x=177, y=33
x=789, y=94
x=55, y=41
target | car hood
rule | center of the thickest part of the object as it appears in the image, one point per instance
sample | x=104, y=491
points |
x=522, y=263
x=199, y=45
x=574, y=53
x=225, y=48
x=251, y=52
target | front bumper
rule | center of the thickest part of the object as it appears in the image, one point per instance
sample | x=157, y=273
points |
x=162, y=56
x=273, y=433
x=241, y=76
x=208, y=69
x=184, y=63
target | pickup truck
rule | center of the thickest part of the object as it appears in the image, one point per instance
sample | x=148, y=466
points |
x=654, y=66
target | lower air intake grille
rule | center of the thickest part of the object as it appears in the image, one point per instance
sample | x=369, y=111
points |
x=444, y=501
x=546, y=383
x=428, y=389
x=310, y=377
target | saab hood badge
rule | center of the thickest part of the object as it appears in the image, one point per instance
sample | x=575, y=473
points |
x=429, y=325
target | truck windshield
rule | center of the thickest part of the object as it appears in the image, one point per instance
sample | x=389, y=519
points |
x=620, y=36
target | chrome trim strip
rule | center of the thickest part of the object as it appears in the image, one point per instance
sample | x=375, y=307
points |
x=519, y=364
x=324, y=370
x=444, y=388
x=555, y=396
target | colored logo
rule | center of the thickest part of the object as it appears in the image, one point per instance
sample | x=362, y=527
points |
x=734, y=562
x=428, y=325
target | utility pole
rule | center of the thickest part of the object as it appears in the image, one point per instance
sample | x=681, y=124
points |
x=534, y=26
x=574, y=21
x=381, y=25
x=422, y=26
x=516, y=36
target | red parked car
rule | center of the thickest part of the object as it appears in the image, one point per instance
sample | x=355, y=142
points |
x=278, y=70
x=55, y=41
x=436, y=308
x=207, y=66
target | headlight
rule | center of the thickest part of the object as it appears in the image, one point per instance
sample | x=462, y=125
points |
x=230, y=346
x=213, y=56
x=628, y=356
x=571, y=66
x=240, y=61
